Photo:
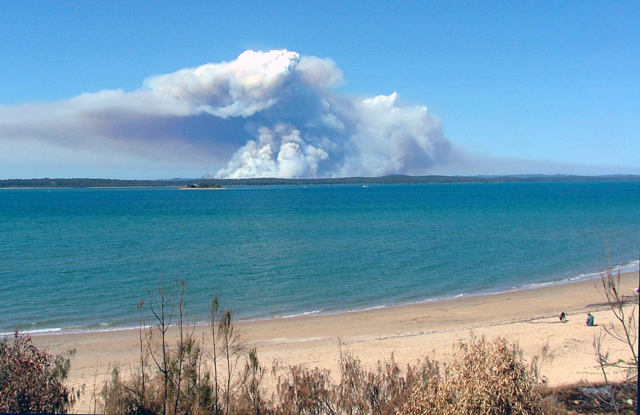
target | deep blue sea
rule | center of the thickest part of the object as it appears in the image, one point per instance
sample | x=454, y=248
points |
x=81, y=259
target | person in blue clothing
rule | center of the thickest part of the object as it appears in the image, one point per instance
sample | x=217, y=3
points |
x=590, y=320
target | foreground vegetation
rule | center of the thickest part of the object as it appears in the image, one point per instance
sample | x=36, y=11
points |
x=31, y=380
x=485, y=377
x=217, y=374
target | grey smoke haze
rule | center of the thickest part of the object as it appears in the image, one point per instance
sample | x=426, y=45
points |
x=265, y=114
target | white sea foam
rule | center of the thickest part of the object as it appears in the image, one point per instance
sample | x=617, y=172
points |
x=306, y=313
x=34, y=332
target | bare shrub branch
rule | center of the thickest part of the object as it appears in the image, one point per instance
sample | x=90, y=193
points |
x=624, y=332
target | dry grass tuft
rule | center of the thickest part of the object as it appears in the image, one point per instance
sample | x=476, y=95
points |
x=485, y=377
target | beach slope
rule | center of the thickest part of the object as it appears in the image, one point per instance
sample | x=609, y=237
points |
x=410, y=332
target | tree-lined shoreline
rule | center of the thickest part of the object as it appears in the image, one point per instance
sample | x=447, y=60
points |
x=212, y=183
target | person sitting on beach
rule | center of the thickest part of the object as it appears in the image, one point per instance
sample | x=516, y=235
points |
x=590, y=320
x=563, y=317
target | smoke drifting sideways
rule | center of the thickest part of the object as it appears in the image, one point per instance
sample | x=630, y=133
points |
x=266, y=114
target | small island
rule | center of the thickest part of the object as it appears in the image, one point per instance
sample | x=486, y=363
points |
x=201, y=186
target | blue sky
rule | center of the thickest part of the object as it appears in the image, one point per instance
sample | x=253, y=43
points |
x=510, y=87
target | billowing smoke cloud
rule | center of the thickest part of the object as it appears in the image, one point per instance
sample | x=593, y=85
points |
x=265, y=114
x=240, y=88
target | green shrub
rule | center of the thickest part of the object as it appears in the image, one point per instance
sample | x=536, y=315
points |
x=31, y=379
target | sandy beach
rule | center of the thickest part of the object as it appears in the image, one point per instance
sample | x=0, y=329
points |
x=411, y=332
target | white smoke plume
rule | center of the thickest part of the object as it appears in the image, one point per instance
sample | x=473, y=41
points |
x=265, y=114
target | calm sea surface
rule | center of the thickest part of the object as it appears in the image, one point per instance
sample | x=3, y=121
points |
x=81, y=259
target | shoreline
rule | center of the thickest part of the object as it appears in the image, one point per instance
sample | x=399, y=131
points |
x=407, y=332
x=631, y=267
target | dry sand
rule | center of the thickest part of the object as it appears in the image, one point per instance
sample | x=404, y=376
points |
x=410, y=333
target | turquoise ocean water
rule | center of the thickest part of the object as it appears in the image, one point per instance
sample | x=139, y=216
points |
x=81, y=259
